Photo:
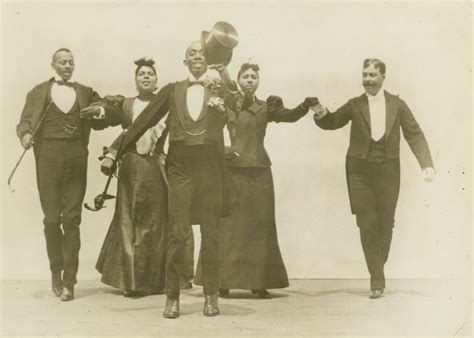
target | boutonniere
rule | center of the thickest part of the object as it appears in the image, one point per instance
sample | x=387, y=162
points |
x=217, y=103
x=212, y=83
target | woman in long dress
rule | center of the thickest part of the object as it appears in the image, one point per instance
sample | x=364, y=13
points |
x=249, y=254
x=133, y=254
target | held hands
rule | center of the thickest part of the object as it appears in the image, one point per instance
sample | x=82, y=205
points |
x=27, y=141
x=96, y=109
x=107, y=166
x=230, y=154
x=319, y=111
x=310, y=102
x=428, y=174
x=92, y=111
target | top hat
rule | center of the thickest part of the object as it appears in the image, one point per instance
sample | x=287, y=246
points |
x=219, y=42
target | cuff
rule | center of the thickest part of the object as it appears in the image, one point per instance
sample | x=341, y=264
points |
x=112, y=154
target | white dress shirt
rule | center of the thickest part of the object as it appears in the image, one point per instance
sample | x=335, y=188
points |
x=195, y=97
x=63, y=96
x=377, y=114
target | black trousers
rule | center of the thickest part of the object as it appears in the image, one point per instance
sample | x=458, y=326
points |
x=61, y=170
x=195, y=181
x=373, y=189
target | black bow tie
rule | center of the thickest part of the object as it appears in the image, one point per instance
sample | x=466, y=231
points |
x=64, y=83
x=192, y=83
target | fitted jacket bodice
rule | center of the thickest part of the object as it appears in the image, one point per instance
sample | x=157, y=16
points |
x=247, y=132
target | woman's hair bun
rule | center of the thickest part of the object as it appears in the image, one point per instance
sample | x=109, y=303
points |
x=145, y=62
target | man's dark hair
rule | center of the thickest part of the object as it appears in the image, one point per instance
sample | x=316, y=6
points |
x=60, y=50
x=378, y=64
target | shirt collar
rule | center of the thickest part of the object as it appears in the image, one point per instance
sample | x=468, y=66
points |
x=58, y=78
x=379, y=96
x=192, y=78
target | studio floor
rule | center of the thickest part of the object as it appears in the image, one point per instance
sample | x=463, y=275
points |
x=307, y=307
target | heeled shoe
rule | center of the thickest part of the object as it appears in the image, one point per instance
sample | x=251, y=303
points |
x=67, y=294
x=211, y=307
x=56, y=283
x=263, y=293
x=377, y=293
x=133, y=293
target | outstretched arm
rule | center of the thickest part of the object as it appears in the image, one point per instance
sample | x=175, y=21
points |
x=331, y=121
x=103, y=112
x=278, y=113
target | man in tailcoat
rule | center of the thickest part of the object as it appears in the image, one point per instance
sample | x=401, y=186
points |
x=373, y=164
x=194, y=167
x=61, y=110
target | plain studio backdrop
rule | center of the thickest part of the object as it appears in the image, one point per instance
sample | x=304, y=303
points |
x=303, y=49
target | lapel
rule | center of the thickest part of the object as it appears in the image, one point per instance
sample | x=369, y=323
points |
x=256, y=107
x=44, y=91
x=180, y=90
x=390, y=112
x=363, y=105
x=180, y=94
x=82, y=96
x=40, y=101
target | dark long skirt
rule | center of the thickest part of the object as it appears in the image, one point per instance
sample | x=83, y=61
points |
x=134, y=251
x=249, y=255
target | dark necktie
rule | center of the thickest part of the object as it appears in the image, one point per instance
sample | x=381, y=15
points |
x=64, y=83
x=193, y=83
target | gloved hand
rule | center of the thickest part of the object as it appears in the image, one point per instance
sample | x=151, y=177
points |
x=107, y=166
x=115, y=100
x=274, y=103
x=230, y=154
x=310, y=102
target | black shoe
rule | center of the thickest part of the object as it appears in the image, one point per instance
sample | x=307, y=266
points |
x=134, y=294
x=211, y=307
x=171, y=308
x=67, y=294
x=377, y=293
x=263, y=293
x=224, y=292
x=56, y=283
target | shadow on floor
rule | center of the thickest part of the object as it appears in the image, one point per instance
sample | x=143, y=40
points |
x=243, y=294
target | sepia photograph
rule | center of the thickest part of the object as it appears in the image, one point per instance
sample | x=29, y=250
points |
x=227, y=168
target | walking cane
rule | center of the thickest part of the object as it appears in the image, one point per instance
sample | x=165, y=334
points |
x=102, y=197
x=25, y=150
